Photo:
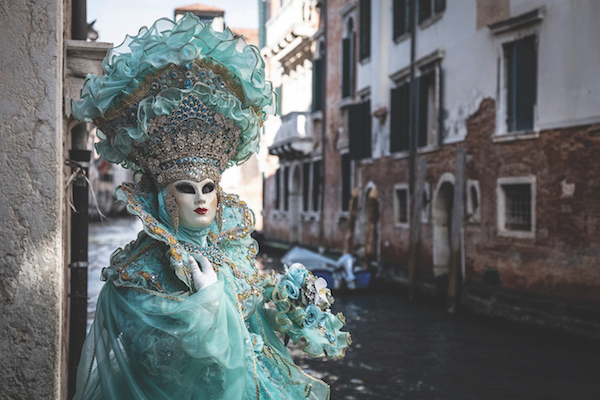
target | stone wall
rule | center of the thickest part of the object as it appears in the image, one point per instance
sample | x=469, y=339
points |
x=31, y=195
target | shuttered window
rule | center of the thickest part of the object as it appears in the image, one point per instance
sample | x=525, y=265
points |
x=439, y=5
x=305, y=186
x=347, y=68
x=317, y=101
x=277, y=188
x=399, y=118
x=359, y=125
x=286, y=188
x=402, y=17
x=317, y=184
x=346, y=181
x=426, y=8
x=521, y=62
x=365, y=29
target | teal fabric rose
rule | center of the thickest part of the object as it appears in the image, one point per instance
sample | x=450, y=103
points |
x=293, y=291
x=313, y=315
x=297, y=274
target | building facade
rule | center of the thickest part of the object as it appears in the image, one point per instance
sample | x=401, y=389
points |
x=512, y=83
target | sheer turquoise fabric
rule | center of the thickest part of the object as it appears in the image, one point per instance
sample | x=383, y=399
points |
x=155, y=337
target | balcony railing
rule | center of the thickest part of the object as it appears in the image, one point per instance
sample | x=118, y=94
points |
x=294, y=137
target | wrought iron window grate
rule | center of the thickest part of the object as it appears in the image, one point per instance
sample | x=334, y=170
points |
x=518, y=207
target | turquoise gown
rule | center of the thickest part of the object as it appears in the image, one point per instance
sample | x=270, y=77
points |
x=155, y=337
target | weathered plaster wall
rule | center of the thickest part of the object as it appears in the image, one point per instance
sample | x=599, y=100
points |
x=31, y=262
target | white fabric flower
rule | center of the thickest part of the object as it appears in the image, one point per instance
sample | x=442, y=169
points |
x=321, y=298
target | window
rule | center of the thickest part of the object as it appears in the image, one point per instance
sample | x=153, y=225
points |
x=348, y=60
x=277, y=188
x=401, y=17
x=317, y=101
x=346, y=181
x=427, y=8
x=426, y=207
x=365, y=29
x=520, y=59
x=305, y=186
x=517, y=210
x=317, y=184
x=428, y=100
x=318, y=83
x=399, y=118
x=401, y=205
x=286, y=188
x=359, y=126
x=516, y=207
x=427, y=110
x=473, y=201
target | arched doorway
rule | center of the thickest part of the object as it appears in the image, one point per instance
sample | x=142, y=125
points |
x=295, y=203
x=442, y=224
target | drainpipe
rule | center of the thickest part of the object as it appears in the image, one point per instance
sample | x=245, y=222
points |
x=324, y=127
x=412, y=136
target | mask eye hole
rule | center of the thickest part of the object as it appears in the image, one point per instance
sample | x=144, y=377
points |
x=209, y=187
x=185, y=188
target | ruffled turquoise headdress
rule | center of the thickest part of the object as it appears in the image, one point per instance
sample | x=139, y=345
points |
x=179, y=101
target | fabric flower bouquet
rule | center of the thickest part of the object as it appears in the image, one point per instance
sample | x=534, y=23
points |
x=302, y=303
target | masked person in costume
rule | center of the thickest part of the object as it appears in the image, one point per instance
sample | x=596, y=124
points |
x=184, y=314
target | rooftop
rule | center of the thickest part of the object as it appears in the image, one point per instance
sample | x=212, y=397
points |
x=200, y=8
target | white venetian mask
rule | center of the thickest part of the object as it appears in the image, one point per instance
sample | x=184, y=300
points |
x=197, y=201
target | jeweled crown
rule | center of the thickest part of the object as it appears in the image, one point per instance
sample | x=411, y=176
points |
x=193, y=142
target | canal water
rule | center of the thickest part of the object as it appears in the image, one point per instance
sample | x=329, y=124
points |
x=416, y=351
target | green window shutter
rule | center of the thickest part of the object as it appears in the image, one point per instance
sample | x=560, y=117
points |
x=400, y=17
x=440, y=5
x=525, y=82
x=346, y=75
x=424, y=8
x=365, y=29
x=399, y=118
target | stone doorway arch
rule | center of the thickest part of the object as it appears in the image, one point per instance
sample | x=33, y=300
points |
x=442, y=224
